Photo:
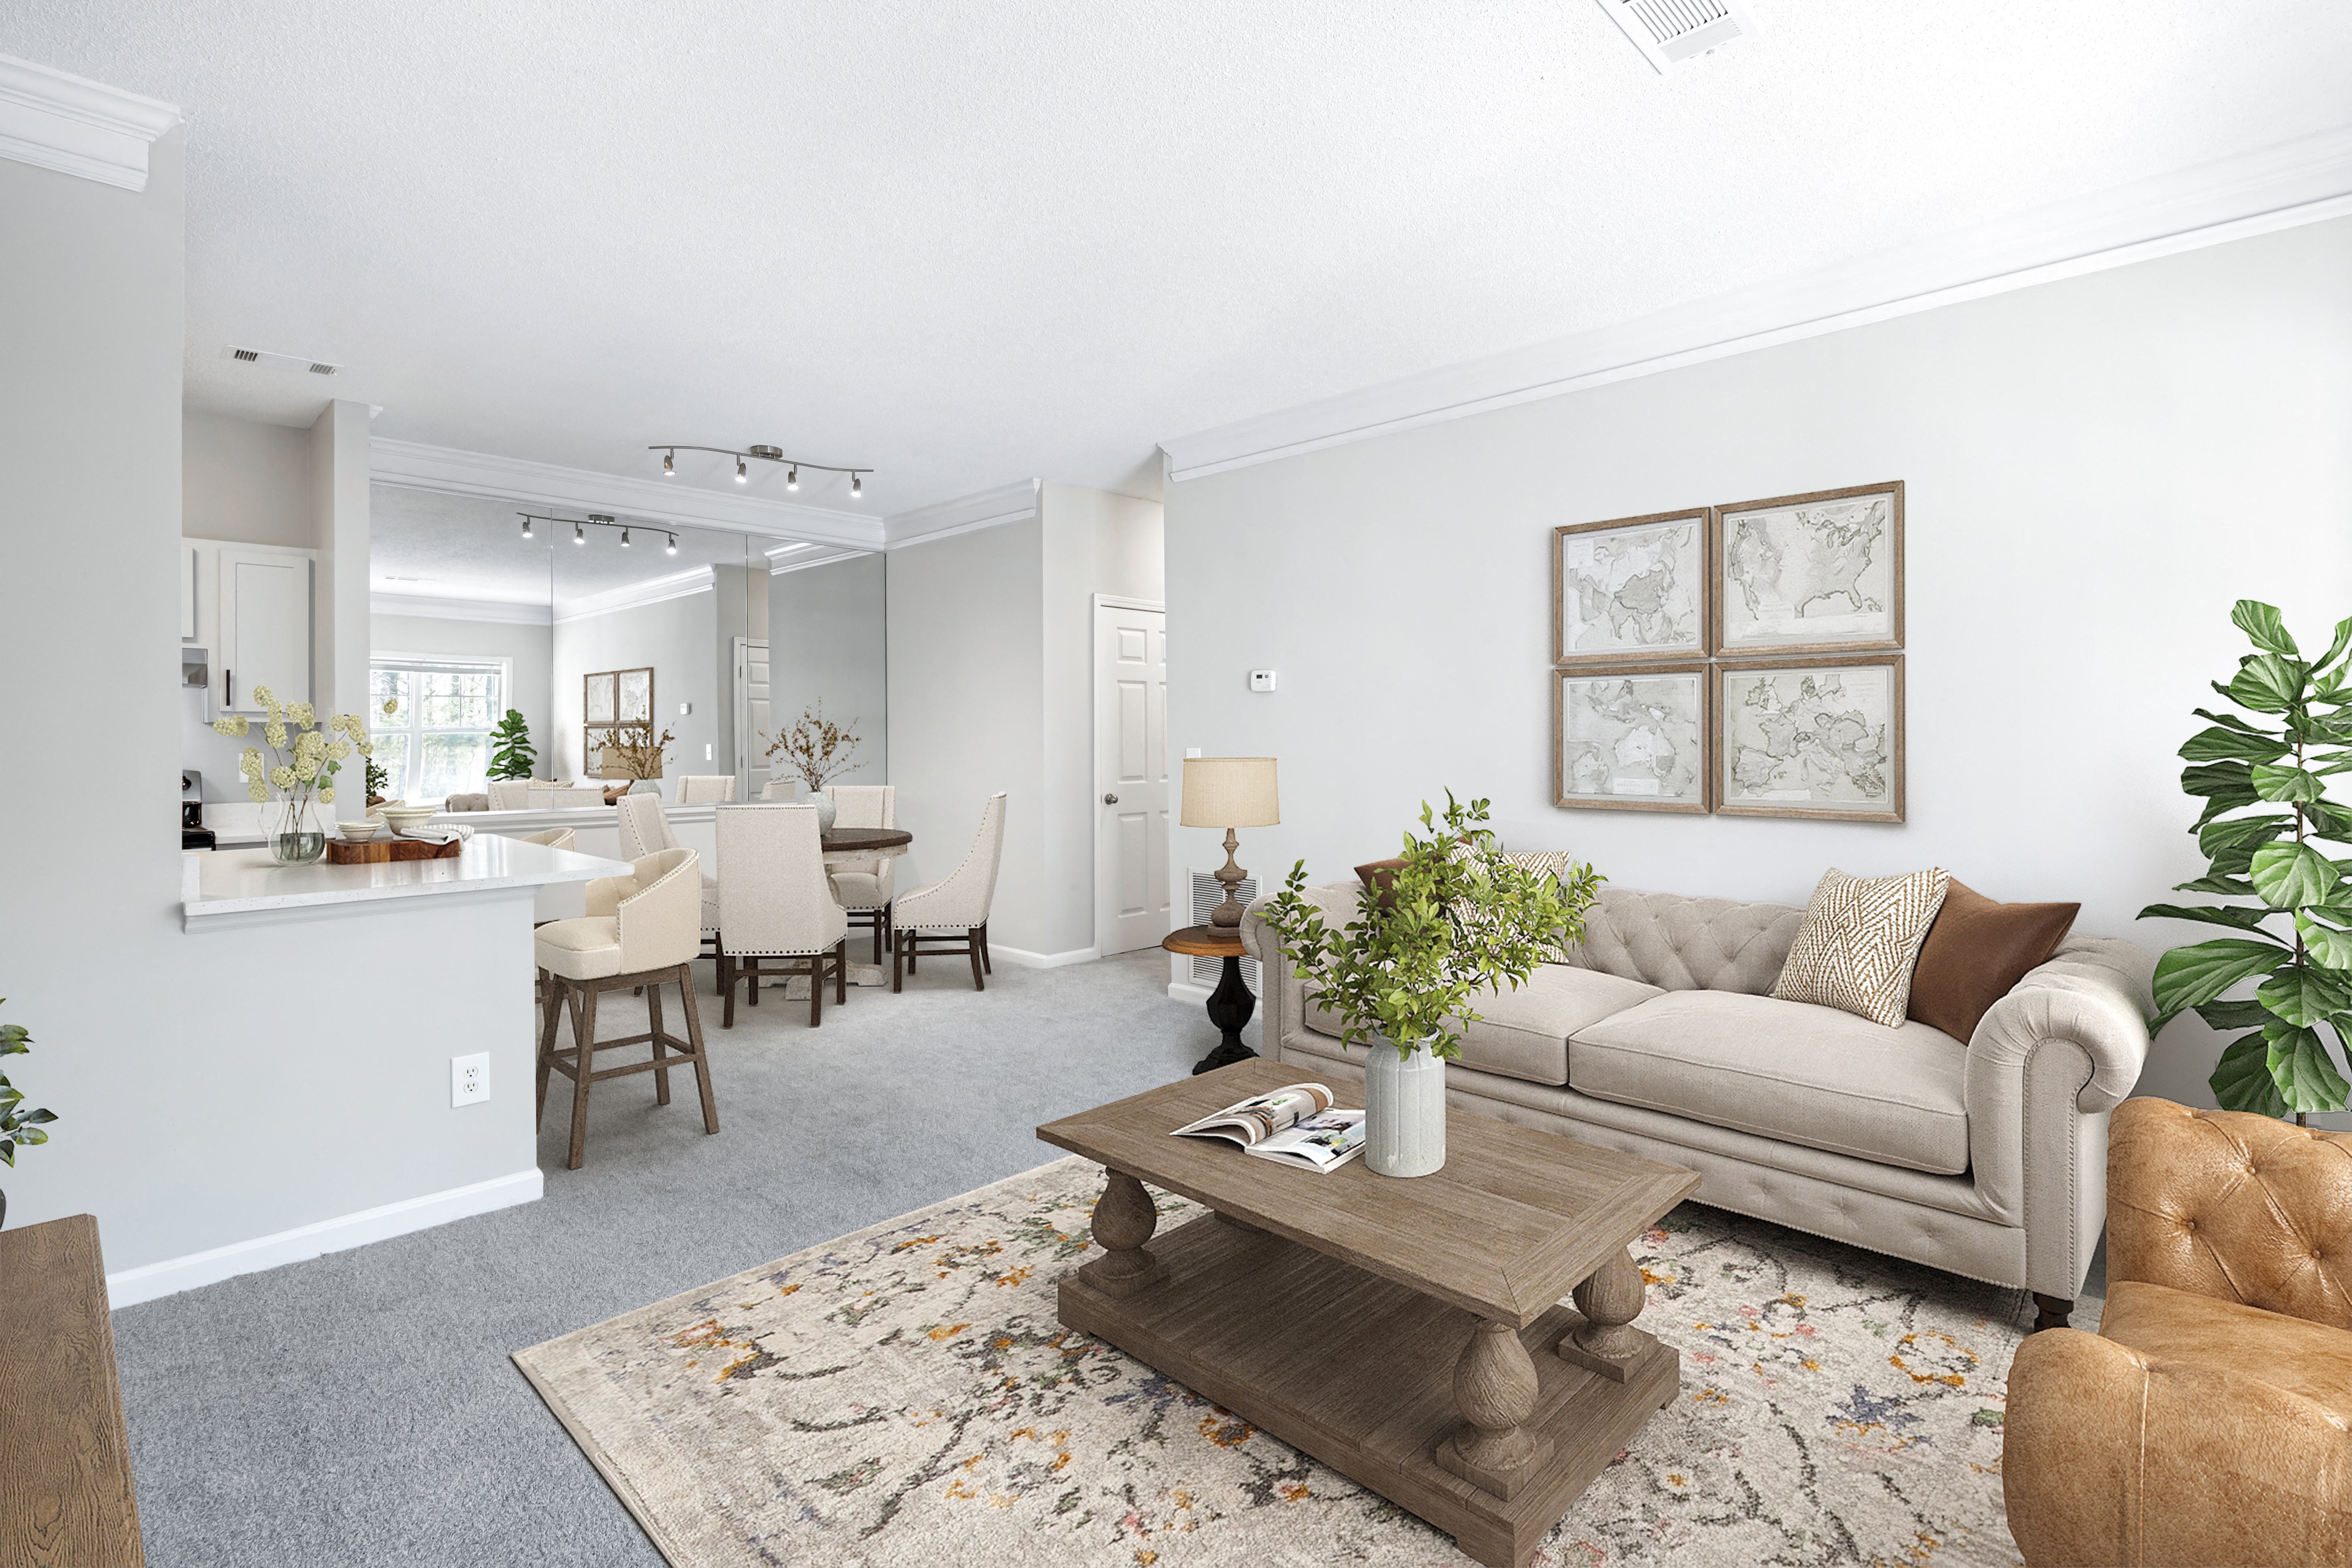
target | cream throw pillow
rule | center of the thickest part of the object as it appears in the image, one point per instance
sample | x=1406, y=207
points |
x=1553, y=863
x=1859, y=942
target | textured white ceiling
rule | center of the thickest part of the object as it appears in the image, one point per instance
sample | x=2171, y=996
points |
x=969, y=243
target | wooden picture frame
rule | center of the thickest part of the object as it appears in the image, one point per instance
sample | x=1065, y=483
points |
x=1793, y=751
x=1691, y=566
x=597, y=694
x=1760, y=602
x=1697, y=732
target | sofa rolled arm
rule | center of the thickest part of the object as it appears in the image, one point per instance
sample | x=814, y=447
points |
x=2094, y=993
x=2109, y=1456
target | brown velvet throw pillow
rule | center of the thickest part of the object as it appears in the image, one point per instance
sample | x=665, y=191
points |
x=1976, y=950
x=1378, y=875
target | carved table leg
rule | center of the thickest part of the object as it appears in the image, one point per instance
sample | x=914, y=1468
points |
x=1606, y=1342
x=1124, y=1220
x=1495, y=1388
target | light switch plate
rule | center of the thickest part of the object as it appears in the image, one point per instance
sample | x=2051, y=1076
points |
x=470, y=1078
x=1260, y=680
x=1191, y=750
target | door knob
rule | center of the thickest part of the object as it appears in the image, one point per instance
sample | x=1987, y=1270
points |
x=1110, y=800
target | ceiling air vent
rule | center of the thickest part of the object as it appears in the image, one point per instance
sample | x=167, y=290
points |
x=282, y=361
x=1674, y=32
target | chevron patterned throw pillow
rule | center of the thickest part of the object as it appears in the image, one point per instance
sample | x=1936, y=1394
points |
x=1859, y=941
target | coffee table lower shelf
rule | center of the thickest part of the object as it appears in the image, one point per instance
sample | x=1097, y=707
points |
x=1360, y=1371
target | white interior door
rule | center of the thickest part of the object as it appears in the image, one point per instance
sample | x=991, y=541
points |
x=752, y=728
x=1131, y=778
x=265, y=616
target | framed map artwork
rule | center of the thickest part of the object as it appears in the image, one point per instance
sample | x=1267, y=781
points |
x=1631, y=737
x=1812, y=738
x=1632, y=587
x=1810, y=574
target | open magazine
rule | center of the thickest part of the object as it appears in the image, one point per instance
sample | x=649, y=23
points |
x=1294, y=1124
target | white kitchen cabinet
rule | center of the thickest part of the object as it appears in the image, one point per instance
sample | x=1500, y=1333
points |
x=191, y=561
x=264, y=635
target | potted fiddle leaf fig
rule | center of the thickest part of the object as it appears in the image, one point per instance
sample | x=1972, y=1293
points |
x=17, y=1125
x=512, y=756
x=2264, y=781
x=1456, y=920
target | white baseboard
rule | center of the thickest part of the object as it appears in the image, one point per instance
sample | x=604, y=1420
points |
x=1185, y=991
x=1024, y=959
x=149, y=1280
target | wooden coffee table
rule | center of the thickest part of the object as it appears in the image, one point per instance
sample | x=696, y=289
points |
x=1406, y=1333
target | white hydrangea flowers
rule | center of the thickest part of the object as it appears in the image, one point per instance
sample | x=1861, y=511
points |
x=309, y=773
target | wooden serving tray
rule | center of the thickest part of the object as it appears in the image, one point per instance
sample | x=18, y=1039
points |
x=380, y=851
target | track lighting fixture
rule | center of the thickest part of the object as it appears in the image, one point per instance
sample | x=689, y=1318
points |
x=766, y=454
x=579, y=535
x=580, y=527
x=625, y=539
x=673, y=544
x=526, y=528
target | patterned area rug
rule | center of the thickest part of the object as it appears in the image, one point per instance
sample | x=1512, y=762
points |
x=904, y=1396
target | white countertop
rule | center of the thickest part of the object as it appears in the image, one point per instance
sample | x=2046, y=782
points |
x=236, y=824
x=238, y=882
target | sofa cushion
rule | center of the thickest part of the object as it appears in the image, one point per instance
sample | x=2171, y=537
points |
x=1791, y=1070
x=1977, y=952
x=1524, y=1032
x=2306, y=1358
x=1859, y=942
x=1681, y=943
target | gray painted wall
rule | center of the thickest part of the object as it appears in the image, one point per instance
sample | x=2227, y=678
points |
x=826, y=641
x=2096, y=469
x=532, y=649
x=245, y=481
x=966, y=713
x=676, y=636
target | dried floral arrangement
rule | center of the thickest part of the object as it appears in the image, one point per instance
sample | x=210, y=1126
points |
x=633, y=749
x=815, y=748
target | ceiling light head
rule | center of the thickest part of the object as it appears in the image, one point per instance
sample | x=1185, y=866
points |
x=673, y=544
x=625, y=539
x=669, y=464
x=526, y=528
x=792, y=477
x=579, y=535
x=742, y=472
x=857, y=487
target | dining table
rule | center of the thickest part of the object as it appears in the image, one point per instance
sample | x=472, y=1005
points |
x=845, y=843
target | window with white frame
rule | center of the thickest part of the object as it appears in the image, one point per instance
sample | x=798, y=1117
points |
x=431, y=721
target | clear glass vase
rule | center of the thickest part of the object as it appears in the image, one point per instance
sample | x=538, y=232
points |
x=294, y=836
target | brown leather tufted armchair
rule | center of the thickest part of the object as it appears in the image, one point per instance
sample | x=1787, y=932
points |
x=2210, y=1419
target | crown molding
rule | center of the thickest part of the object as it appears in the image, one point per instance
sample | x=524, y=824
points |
x=2304, y=181
x=412, y=465
x=629, y=595
x=800, y=557
x=988, y=509
x=434, y=608
x=77, y=126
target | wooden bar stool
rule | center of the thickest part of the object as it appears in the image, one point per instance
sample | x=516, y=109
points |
x=640, y=930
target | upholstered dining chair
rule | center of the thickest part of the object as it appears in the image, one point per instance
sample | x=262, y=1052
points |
x=694, y=789
x=777, y=916
x=551, y=797
x=512, y=794
x=952, y=916
x=639, y=930
x=864, y=886
x=785, y=788
x=644, y=830
x=553, y=837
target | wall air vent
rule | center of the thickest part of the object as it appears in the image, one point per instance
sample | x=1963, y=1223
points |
x=1674, y=32
x=282, y=361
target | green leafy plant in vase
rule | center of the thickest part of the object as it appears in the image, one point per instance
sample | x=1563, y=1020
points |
x=17, y=1125
x=299, y=772
x=512, y=756
x=2264, y=783
x=1456, y=920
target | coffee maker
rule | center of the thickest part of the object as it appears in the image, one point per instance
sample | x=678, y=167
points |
x=194, y=834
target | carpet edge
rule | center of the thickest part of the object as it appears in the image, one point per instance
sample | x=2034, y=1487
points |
x=604, y=1464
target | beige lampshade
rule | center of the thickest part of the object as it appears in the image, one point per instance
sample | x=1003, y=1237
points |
x=1230, y=792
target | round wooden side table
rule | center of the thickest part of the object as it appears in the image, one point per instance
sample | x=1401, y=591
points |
x=1231, y=1004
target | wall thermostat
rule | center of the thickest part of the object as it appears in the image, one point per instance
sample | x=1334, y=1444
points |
x=1260, y=680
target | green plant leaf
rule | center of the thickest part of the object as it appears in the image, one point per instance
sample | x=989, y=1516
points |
x=2211, y=914
x=2302, y=996
x=2217, y=744
x=2327, y=946
x=2217, y=780
x=2329, y=821
x=2293, y=876
x=2285, y=781
x=2336, y=650
x=2299, y=1064
x=2233, y=1015
x=2265, y=625
x=2234, y=832
x=2267, y=683
x=2229, y=720
x=2225, y=885
x=2242, y=1080
x=2203, y=971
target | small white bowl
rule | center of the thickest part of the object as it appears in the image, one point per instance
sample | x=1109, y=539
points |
x=405, y=819
x=360, y=832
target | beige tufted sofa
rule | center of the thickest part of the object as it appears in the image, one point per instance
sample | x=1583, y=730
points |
x=1985, y=1157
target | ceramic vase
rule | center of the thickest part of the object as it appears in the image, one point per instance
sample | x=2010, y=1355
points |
x=295, y=839
x=825, y=811
x=1404, y=1110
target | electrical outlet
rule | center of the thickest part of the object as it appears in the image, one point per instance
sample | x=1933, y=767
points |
x=1260, y=680
x=470, y=1078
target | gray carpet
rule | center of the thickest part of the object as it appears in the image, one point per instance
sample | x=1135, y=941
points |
x=359, y=1408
